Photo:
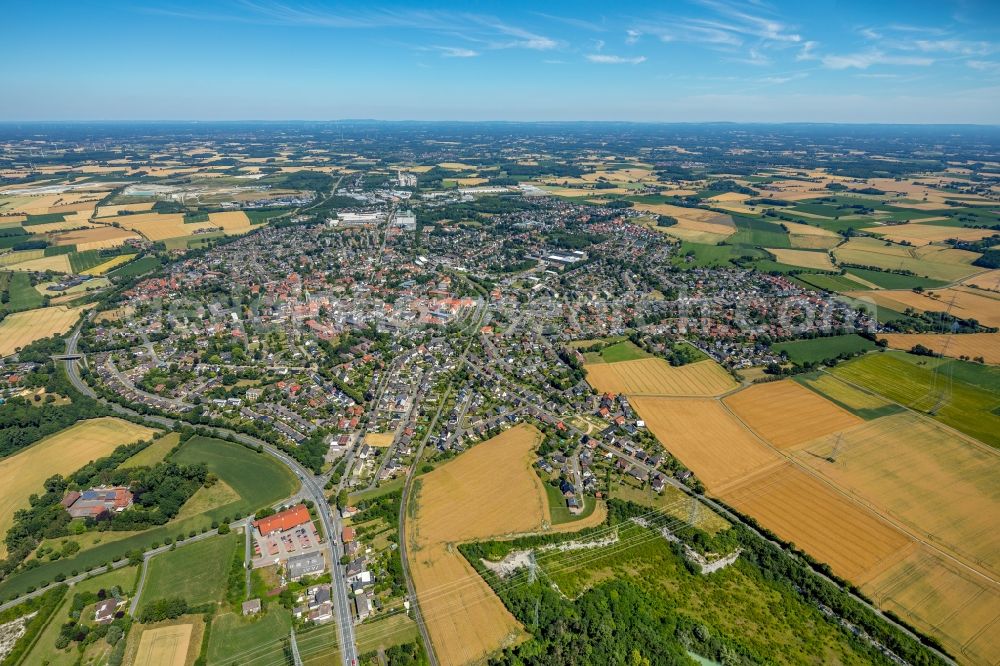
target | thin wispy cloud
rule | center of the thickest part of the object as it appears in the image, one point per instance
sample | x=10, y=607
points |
x=866, y=59
x=487, y=31
x=456, y=52
x=606, y=59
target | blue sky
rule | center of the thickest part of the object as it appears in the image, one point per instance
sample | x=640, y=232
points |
x=695, y=60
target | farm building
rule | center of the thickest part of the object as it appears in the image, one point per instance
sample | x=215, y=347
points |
x=95, y=501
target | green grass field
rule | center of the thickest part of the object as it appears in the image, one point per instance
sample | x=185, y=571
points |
x=155, y=452
x=623, y=351
x=705, y=256
x=135, y=268
x=894, y=280
x=835, y=283
x=197, y=572
x=758, y=233
x=257, y=477
x=821, y=349
x=21, y=295
x=233, y=634
x=963, y=395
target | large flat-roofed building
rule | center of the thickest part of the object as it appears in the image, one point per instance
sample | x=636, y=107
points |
x=310, y=564
x=406, y=220
x=283, y=520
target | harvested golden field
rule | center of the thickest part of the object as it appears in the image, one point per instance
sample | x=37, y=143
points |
x=160, y=226
x=940, y=485
x=798, y=229
x=944, y=599
x=110, y=264
x=23, y=328
x=59, y=263
x=808, y=237
x=654, y=376
x=62, y=453
x=787, y=414
x=457, y=166
x=693, y=224
x=112, y=211
x=490, y=490
x=164, y=646
x=988, y=281
x=807, y=512
x=972, y=345
x=11, y=258
x=706, y=438
x=95, y=238
x=728, y=197
x=793, y=190
x=115, y=314
x=232, y=222
x=471, y=181
x=930, y=260
x=68, y=224
x=958, y=301
x=379, y=439
x=804, y=258
x=925, y=234
x=630, y=175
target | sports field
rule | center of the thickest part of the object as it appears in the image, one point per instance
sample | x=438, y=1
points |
x=970, y=345
x=62, y=453
x=22, y=328
x=164, y=646
x=705, y=437
x=654, y=376
x=488, y=491
x=940, y=485
x=787, y=414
